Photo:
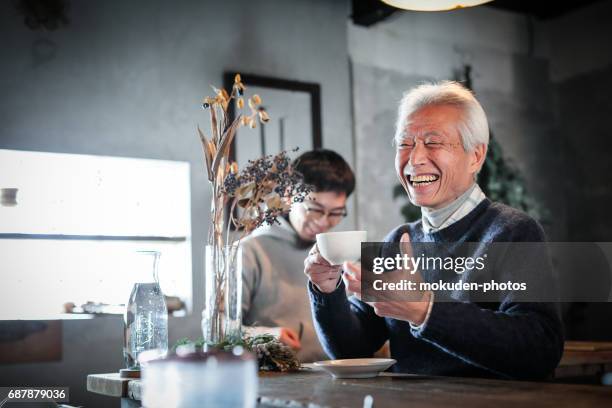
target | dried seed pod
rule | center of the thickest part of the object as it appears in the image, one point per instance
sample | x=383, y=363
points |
x=273, y=200
x=256, y=99
x=263, y=116
x=240, y=103
x=246, y=191
x=237, y=79
x=207, y=102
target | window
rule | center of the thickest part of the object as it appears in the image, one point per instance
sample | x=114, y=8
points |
x=77, y=223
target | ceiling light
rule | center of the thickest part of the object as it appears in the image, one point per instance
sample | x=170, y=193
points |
x=433, y=5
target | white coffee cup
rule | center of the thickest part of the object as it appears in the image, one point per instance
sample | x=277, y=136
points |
x=338, y=247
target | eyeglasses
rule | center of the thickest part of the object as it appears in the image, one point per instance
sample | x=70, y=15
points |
x=318, y=213
x=430, y=143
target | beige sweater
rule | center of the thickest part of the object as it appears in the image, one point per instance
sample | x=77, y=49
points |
x=274, y=288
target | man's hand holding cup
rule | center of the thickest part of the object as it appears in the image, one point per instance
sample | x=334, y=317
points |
x=321, y=273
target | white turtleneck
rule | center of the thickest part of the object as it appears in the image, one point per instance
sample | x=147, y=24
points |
x=435, y=220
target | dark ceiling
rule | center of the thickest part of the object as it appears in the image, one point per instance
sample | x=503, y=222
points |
x=542, y=10
x=369, y=12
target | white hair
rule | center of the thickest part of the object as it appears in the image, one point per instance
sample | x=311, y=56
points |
x=474, y=128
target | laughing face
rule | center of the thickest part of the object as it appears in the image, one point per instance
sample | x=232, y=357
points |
x=430, y=160
x=320, y=212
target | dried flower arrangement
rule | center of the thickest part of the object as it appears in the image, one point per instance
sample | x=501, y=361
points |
x=264, y=190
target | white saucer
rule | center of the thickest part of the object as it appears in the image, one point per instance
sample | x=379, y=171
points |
x=355, y=367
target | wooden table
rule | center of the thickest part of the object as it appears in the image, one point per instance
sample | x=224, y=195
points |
x=314, y=389
x=582, y=359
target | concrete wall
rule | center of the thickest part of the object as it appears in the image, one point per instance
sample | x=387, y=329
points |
x=126, y=79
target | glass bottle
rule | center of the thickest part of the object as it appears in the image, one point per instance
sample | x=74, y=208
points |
x=146, y=315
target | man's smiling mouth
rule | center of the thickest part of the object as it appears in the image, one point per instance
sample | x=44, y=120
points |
x=423, y=179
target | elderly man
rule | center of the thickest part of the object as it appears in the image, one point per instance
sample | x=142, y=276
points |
x=441, y=139
x=274, y=291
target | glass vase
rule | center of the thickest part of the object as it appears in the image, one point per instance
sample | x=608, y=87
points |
x=222, y=316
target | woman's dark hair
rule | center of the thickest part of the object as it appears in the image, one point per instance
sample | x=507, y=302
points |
x=326, y=171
